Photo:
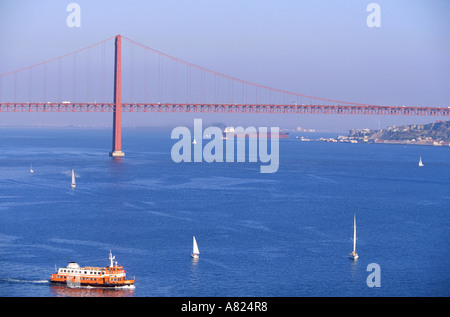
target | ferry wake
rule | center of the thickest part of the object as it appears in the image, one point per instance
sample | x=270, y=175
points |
x=109, y=277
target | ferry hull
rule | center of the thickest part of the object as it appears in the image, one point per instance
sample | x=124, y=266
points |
x=99, y=285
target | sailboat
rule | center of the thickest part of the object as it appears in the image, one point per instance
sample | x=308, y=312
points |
x=73, y=180
x=354, y=255
x=195, y=252
x=420, y=161
x=194, y=142
x=31, y=168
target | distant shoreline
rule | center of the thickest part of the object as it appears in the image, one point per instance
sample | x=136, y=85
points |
x=444, y=144
x=391, y=142
x=431, y=134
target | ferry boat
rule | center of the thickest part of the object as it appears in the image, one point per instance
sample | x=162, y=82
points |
x=75, y=276
x=256, y=135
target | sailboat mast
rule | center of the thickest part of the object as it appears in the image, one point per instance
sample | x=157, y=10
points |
x=354, y=233
x=73, y=179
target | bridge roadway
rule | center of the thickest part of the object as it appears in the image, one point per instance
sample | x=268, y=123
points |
x=226, y=108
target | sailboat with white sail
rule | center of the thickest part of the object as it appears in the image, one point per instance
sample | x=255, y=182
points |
x=195, y=252
x=73, y=185
x=420, y=162
x=354, y=255
x=31, y=168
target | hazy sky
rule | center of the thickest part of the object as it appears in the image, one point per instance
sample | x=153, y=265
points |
x=321, y=48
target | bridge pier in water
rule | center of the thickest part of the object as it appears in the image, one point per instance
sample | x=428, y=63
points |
x=117, y=115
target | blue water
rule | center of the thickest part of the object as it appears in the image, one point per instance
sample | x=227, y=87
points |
x=282, y=234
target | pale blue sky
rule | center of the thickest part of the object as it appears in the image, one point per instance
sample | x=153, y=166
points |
x=322, y=48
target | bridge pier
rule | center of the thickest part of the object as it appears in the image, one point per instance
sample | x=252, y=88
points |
x=117, y=115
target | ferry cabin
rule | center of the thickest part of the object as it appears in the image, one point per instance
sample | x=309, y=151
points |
x=92, y=276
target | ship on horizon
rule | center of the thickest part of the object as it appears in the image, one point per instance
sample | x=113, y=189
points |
x=256, y=135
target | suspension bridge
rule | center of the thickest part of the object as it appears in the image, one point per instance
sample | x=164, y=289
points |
x=146, y=80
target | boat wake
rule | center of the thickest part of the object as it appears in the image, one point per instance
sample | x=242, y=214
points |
x=21, y=281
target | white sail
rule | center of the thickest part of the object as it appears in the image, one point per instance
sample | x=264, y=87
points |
x=31, y=168
x=420, y=161
x=73, y=180
x=195, y=247
x=354, y=255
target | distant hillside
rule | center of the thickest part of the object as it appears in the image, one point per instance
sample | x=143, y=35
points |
x=437, y=133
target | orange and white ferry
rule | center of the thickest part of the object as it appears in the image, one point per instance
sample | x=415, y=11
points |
x=75, y=276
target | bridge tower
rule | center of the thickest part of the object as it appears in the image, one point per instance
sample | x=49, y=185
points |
x=117, y=116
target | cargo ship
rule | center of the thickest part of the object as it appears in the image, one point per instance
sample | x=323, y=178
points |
x=89, y=276
x=232, y=131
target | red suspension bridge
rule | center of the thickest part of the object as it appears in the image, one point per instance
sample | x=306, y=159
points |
x=157, y=83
